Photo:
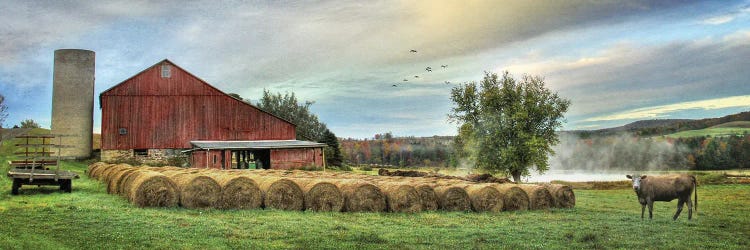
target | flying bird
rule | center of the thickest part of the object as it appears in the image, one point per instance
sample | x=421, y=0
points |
x=406, y=80
x=416, y=76
x=394, y=85
x=413, y=51
x=447, y=82
x=428, y=69
x=444, y=66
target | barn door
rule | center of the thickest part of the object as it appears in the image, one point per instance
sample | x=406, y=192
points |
x=262, y=158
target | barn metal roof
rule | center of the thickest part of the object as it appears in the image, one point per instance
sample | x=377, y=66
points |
x=266, y=144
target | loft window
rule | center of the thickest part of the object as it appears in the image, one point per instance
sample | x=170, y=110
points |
x=165, y=71
x=123, y=131
x=140, y=152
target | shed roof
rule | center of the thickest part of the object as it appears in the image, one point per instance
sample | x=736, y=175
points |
x=265, y=144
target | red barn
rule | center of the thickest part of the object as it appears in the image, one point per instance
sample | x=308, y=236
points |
x=164, y=112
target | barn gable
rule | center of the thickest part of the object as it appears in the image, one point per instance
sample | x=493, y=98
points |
x=154, y=81
x=165, y=106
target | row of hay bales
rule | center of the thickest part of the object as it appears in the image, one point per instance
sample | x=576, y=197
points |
x=319, y=191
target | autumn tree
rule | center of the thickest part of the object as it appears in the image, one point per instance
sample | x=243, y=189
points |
x=513, y=122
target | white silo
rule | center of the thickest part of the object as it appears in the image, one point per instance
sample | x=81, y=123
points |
x=73, y=101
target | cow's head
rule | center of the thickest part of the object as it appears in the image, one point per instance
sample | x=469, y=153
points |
x=636, y=181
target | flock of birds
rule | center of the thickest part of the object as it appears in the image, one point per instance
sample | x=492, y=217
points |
x=428, y=69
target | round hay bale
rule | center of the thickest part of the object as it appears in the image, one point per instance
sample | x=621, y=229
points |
x=514, y=198
x=103, y=172
x=197, y=190
x=239, y=192
x=96, y=171
x=175, y=173
x=152, y=189
x=453, y=198
x=401, y=197
x=126, y=182
x=107, y=175
x=361, y=196
x=428, y=197
x=539, y=197
x=165, y=168
x=281, y=193
x=484, y=198
x=562, y=194
x=321, y=195
x=93, y=166
x=116, y=180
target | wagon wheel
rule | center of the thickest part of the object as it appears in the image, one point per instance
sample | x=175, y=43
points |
x=16, y=186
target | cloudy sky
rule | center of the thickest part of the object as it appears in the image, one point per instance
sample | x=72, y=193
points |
x=617, y=61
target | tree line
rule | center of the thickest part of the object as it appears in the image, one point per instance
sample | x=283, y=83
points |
x=385, y=149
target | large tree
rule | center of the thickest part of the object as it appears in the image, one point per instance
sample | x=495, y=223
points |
x=308, y=126
x=508, y=125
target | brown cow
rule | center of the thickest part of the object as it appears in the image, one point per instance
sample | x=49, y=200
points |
x=665, y=188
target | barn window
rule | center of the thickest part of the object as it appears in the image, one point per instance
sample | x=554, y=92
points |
x=165, y=71
x=123, y=131
x=140, y=152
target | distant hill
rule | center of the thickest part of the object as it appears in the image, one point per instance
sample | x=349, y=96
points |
x=670, y=126
x=736, y=124
x=646, y=124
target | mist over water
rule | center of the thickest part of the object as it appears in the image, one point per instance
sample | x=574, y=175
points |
x=609, y=158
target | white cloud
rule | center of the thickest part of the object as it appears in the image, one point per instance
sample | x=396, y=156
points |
x=720, y=19
x=665, y=110
x=28, y=25
x=728, y=17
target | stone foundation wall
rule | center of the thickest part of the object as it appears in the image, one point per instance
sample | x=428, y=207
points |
x=154, y=157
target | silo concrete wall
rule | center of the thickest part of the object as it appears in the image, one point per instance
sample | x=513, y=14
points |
x=73, y=101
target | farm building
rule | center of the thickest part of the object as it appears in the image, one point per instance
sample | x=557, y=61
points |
x=165, y=112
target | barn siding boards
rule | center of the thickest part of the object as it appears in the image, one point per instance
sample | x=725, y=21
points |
x=170, y=112
x=198, y=159
x=296, y=158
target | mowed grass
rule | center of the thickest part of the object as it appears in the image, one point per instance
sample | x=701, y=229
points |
x=725, y=129
x=45, y=218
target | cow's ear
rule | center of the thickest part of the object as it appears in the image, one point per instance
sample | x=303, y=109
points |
x=629, y=176
x=643, y=177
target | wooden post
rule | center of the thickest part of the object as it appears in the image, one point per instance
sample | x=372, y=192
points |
x=324, y=158
x=223, y=159
x=207, y=158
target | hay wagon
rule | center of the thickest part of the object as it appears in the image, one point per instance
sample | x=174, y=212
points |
x=37, y=166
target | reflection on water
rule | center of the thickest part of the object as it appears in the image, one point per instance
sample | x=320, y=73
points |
x=577, y=176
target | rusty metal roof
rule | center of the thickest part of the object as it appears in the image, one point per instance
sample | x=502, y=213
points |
x=266, y=144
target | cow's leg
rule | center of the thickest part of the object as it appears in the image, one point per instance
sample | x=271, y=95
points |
x=650, y=209
x=680, y=204
x=643, y=209
x=690, y=208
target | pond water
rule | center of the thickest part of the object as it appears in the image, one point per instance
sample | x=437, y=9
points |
x=577, y=176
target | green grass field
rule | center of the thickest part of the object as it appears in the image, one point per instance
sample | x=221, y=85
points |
x=45, y=218
x=734, y=124
x=729, y=128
